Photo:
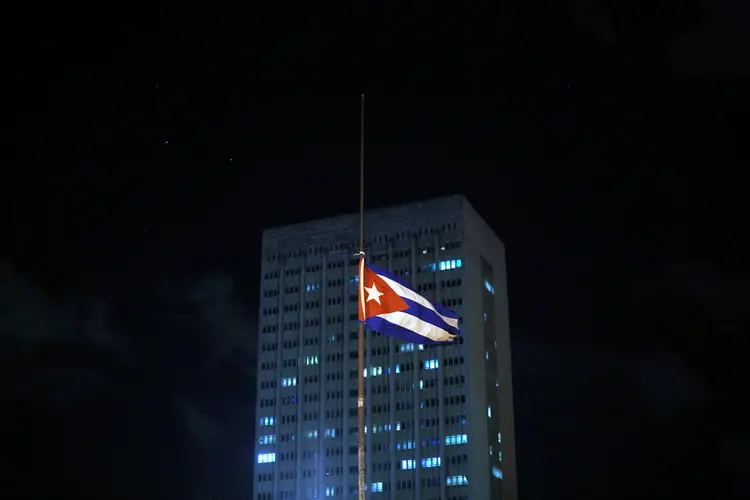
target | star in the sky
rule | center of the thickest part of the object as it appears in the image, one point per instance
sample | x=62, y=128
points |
x=373, y=294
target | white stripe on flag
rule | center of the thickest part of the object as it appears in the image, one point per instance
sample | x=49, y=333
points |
x=416, y=325
x=411, y=295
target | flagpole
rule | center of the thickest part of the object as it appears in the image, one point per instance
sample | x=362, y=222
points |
x=361, y=336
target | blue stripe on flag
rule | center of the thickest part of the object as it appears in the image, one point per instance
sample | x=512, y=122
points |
x=445, y=311
x=429, y=316
x=386, y=327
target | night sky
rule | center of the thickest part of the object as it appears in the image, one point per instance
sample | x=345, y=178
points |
x=601, y=141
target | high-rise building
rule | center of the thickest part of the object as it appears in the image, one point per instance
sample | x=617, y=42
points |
x=439, y=419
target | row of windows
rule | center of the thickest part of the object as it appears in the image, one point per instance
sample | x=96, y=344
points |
x=287, y=474
x=338, y=471
x=352, y=246
x=452, y=440
x=332, y=491
x=442, y=265
x=337, y=337
x=381, y=486
x=397, y=254
x=374, y=371
x=336, y=413
x=402, y=385
x=333, y=301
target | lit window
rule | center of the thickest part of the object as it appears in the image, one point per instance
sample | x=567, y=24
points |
x=289, y=382
x=429, y=267
x=431, y=364
x=446, y=265
x=456, y=481
x=266, y=458
x=312, y=434
x=408, y=464
x=490, y=288
x=497, y=472
x=456, y=439
x=428, y=463
x=398, y=368
x=377, y=487
x=266, y=421
x=405, y=445
x=489, y=411
x=311, y=360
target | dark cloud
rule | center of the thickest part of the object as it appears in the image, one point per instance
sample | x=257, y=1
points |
x=700, y=38
x=31, y=318
x=55, y=350
x=639, y=380
x=203, y=431
x=719, y=46
x=226, y=322
x=213, y=389
x=725, y=294
x=582, y=415
x=665, y=386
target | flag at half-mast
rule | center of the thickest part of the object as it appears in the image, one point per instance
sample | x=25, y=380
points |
x=390, y=306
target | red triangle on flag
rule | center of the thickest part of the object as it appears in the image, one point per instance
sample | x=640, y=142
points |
x=379, y=298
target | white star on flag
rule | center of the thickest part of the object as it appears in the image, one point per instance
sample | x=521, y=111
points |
x=373, y=294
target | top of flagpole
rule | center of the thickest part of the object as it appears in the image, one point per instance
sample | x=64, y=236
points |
x=362, y=175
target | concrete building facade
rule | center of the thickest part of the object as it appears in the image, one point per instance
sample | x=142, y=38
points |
x=439, y=421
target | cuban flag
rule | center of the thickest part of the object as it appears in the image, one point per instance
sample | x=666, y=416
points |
x=390, y=306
